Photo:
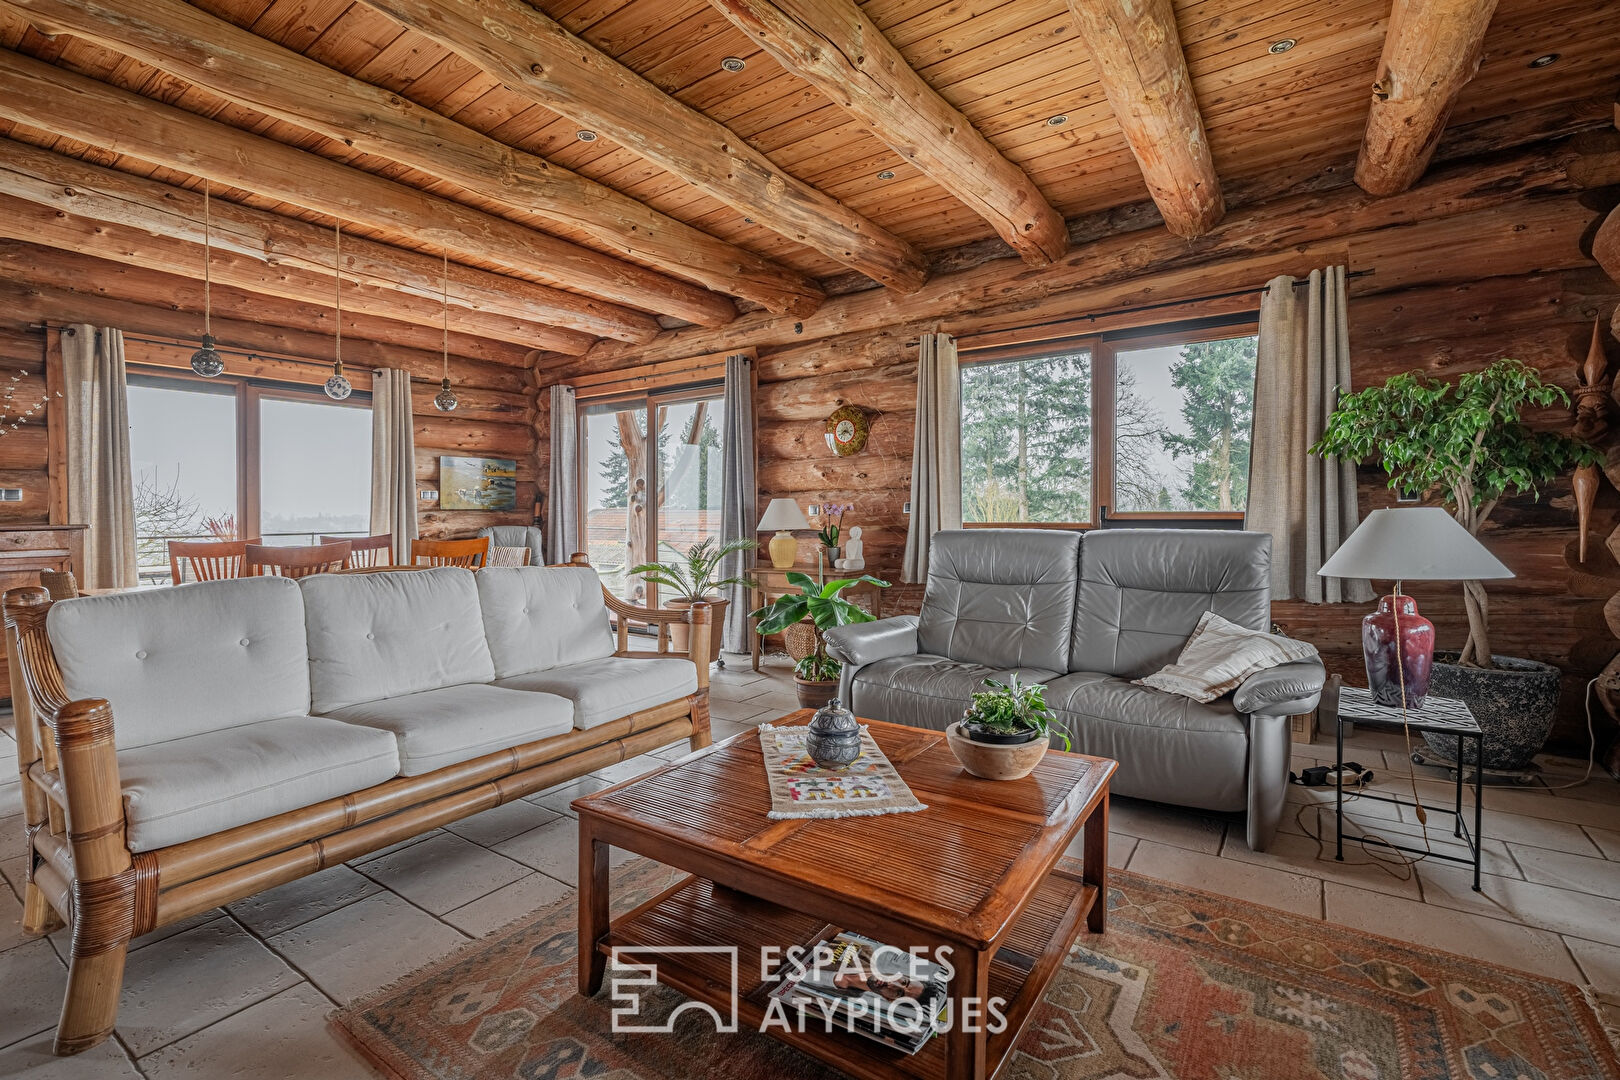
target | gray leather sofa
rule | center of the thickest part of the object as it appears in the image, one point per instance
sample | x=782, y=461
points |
x=1085, y=614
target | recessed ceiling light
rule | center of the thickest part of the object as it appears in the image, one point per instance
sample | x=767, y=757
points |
x=1283, y=45
x=733, y=63
x=1056, y=121
x=1545, y=59
x=886, y=174
x=585, y=136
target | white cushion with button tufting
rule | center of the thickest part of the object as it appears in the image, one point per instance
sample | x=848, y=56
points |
x=542, y=617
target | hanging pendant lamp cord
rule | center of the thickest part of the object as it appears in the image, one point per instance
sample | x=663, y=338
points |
x=208, y=245
x=337, y=290
x=445, y=300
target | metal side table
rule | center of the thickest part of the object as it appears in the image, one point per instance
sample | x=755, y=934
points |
x=1444, y=716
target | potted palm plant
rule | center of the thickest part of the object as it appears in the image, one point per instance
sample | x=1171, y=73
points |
x=816, y=675
x=1466, y=446
x=694, y=577
x=1005, y=731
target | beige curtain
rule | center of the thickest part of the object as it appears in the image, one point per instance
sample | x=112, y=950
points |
x=393, y=461
x=936, y=452
x=100, y=488
x=1306, y=503
x=562, y=503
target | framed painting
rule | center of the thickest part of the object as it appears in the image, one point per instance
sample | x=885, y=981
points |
x=476, y=483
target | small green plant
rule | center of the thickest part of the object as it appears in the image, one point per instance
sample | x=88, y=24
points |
x=1465, y=442
x=824, y=607
x=697, y=574
x=1013, y=708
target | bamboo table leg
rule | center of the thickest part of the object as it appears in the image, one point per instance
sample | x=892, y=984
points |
x=593, y=907
x=1094, y=865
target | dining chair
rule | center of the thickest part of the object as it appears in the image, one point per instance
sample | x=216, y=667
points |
x=295, y=562
x=473, y=553
x=207, y=560
x=366, y=550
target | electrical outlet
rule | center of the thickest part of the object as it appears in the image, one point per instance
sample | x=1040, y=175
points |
x=427, y=495
x=11, y=494
x=905, y=508
x=1403, y=498
x=814, y=509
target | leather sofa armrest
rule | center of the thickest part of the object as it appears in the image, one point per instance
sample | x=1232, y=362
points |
x=860, y=644
x=1285, y=690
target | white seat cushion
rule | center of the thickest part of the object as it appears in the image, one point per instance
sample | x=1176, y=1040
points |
x=615, y=686
x=539, y=617
x=177, y=662
x=440, y=727
x=185, y=788
x=375, y=636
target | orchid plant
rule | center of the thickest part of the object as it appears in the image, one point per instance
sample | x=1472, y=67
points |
x=832, y=523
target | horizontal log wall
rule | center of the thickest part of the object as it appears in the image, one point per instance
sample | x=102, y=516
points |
x=23, y=450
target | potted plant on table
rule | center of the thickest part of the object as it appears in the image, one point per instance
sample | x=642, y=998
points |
x=696, y=577
x=816, y=675
x=1005, y=731
x=1466, y=445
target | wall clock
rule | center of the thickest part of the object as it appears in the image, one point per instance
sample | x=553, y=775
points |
x=847, y=429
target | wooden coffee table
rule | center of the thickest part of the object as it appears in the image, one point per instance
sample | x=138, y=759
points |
x=976, y=872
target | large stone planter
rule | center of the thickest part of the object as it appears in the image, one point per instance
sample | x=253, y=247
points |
x=1513, y=702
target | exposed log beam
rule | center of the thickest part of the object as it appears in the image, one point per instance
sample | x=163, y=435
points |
x=30, y=221
x=190, y=44
x=537, y=58
x=481, y=303
x=1431, y=50
x=837, y=48
x=57, y=100
x=1137, y=53
x=48, y=268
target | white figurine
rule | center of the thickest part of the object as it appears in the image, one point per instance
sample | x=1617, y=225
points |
x=852, y=559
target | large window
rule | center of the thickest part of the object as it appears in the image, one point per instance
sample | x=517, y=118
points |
x=1108, y=426
x=233, y=459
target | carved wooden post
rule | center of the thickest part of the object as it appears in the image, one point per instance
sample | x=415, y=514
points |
x=700, y=639
x=26, y=608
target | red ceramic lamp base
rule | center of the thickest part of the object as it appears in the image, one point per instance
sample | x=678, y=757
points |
x=1394, y=635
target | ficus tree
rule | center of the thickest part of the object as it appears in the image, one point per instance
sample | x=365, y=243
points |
x=1464, y=443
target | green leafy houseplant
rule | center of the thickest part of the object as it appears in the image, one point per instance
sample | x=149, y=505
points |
x=697, y=574
x=1012, y=708
x=824, y=607
x=1464, y=442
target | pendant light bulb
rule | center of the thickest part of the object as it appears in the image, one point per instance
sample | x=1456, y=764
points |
x=445, y=399
x=337, y=387
x=206, y=361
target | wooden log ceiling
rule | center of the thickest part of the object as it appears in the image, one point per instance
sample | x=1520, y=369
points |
x=874, y=138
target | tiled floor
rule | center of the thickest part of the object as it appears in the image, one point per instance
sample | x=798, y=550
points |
x=244, y=992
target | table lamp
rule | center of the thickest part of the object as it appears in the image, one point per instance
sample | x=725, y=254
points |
x=1417, y=543
x=783, y=515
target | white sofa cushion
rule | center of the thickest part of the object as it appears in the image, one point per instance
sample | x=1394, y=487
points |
x=375, y=636
x=615, y=686
x=440, y=727
x=187, y=660
x=185, y=788
x=539, y=617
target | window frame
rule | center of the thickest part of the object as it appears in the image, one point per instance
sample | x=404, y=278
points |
x=246, y=394
x=1103, y=349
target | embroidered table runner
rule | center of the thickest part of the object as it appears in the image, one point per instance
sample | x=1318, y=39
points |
x=800, y=788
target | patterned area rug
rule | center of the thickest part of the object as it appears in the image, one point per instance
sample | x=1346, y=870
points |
x=1184, y=985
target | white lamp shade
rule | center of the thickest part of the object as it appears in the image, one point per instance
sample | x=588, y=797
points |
x=1413, y=543
x=783, y=515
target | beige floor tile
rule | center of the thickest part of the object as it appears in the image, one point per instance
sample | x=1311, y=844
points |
x=1607, y=841
x=32, y=1058
x=1300, y=855
x=557, y=799
x=777, y=702
x=502, y=822
x=739, y=691
x=11, y=931
x=1120, y=847
x=1228, y=877
x=1559, y=910
x=297, y=902
x=1500, y=942
x=1166, y=824
x=1495, y=858
x=553, y=849
x=1601, y=788
x=391, y=848
x=183, y=983
x=737, y=672
x=1367, y=808
x=523, y=897
x=1600, y=963
x=285, y=1036
x=34, y=978
x=443, y=872
x=1565, y=871
x=1537, y=832
x=628, y=770
x=366, y=945
x=738, y=711
x=11, y=795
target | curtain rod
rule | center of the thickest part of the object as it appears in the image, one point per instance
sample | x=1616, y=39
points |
x=176, y=342
x=1349, y=275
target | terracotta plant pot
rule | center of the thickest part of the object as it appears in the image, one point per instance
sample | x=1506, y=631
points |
x=813, y=695
x=996, y=761
x=678, y=632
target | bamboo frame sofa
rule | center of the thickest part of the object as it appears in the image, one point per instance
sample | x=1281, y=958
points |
x=186, y=747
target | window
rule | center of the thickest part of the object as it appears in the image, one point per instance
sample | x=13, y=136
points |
x=235, y=459
x=1109, y=426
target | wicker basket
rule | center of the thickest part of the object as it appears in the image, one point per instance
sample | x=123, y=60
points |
x=800, y=640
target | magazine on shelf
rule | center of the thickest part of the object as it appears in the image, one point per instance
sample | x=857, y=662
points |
x=854, y=983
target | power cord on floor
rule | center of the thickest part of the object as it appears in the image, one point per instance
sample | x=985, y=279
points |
x=1591, y=744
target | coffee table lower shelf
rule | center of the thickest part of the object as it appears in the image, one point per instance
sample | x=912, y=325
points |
x=696, y=912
